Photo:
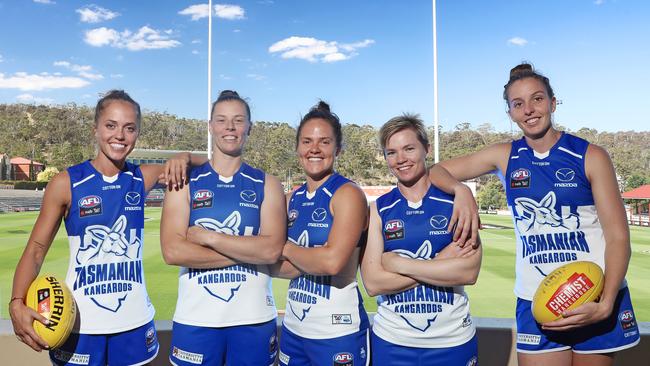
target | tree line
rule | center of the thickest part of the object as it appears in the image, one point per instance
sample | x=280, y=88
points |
x=61, y=136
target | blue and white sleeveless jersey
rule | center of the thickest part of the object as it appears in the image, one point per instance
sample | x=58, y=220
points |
x=315, y=308
x=235, y=295
x=553, y=210
x=426, y=316
x=105, y=227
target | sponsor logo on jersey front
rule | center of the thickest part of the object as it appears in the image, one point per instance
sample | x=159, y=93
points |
x=108, y=264
x=318, y=216
x=90, y=206
x=546, y=235
x=393, y=230
x=520, y=178
x=566, y=177
x=439, y=223
x=202, y=199
x=248, y=197
x=132, y=200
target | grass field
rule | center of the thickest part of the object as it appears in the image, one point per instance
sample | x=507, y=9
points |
x=492, y=296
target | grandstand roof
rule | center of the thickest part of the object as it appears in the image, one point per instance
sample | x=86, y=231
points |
x=639, y=193
x=23, y=161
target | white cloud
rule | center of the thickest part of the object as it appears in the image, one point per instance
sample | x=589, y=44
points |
x=116, y=76
x=227, y=11
x=28, y=98
x=145, y=38
x=48, y=2
x=518, y=41
x=314, y=50
x=256, y=77
x=599, y=2
x=236, y=30
x=85, y=71
x=195, y=52
x=95, y=14
x=224, y=11
x=27, y=82
x=196, y=41
x=224, y=77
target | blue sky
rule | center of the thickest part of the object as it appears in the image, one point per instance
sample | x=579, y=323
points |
x=371, y=60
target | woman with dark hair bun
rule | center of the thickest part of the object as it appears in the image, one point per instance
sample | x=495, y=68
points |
x=101, y=202
x=559, y=186
x=325, y=321
x=223, y=230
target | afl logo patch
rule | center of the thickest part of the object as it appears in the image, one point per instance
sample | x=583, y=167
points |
x=132, y=198
x=90, y=206
x=520, y=178
x=394, y=229
x=438, y=222
x=627, y=319
x=343, y=359
x=248, y=195
x=150, y=337
x=292, y=216
x=202, y=199
x=319, y=214
x=565, y=174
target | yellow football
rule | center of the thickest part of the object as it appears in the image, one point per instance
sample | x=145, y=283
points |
x=566, y=288
x=52, y=299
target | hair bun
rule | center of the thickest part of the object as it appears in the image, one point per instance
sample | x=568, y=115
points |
x=523, y=67
x=322, y=106
x=228, y=94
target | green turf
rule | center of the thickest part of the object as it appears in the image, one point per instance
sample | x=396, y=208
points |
x=491, y=297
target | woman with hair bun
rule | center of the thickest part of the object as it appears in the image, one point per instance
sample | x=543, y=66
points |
x=325, y=322
x=101, y=202
x=559, y=185
x=224, y=229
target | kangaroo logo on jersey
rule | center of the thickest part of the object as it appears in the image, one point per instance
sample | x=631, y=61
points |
x=202, y=199
x=546, y=236
x=305, y=291
x=90, y=206
x=132, y=198
x=223, y=283
x=108, y=264
x=424, y=251
x=415, y=305
x=520, y=178
x=533, y=215
x=394, y=229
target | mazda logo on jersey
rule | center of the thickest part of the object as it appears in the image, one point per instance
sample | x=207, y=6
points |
x=132, y=198
x=248, y=195
x=565, y=174
x=438, y=222
x=319, y=214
